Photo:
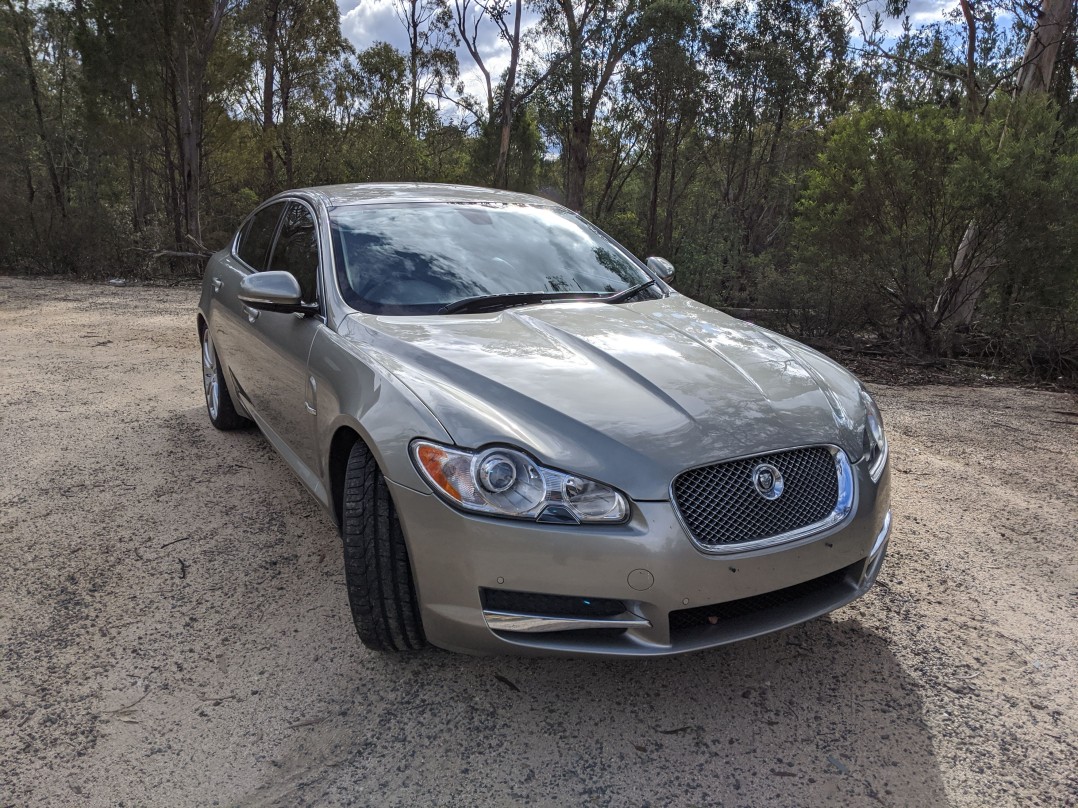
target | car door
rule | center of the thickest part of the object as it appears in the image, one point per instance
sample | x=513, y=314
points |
x=228, y=319
x=276, y=346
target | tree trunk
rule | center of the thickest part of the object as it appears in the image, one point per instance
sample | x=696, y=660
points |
x=132, y=173
x=973, y=92
x=501, y=170
x=269, y=69
x=667, y=244
x=657, y=149
x=189, y=128
x=286, y=130
x=968, y=274
x=1043, y=46
x=30, y=194
x=173, y=185
x=413, y=24
x=24, y=33
x=577, y=161
x=191, y=57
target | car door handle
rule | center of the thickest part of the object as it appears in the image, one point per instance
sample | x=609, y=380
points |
x=252, y=314
x=217, y=284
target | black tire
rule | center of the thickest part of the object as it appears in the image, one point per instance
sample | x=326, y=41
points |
x=377, y=572
x=224, y=415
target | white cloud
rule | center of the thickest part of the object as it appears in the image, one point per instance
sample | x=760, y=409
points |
x=920, y=12
x=364, y=22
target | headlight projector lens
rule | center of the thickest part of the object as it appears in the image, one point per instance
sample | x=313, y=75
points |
x=497, y=473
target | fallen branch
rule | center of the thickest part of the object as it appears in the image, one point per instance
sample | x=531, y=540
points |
x=176, y=541
x=129, y=706
x=197, y=256
x=201, y=255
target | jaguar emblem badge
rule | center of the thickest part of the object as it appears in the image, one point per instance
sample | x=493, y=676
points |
x=767, y=480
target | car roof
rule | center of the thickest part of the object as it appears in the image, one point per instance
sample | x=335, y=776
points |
x=363, y=193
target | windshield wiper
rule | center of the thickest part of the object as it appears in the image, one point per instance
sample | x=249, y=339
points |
x=626, y=294
x=495, y=302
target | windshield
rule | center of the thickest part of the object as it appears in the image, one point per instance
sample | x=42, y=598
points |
x=421, y=258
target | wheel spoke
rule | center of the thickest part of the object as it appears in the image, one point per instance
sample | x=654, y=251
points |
x=210, y=383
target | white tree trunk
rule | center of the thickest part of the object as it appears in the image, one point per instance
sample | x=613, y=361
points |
x=1043, y=47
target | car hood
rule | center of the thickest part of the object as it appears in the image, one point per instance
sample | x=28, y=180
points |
x=629, y=394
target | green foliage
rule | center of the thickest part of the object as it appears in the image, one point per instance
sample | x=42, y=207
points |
x=525, y=152
x=786, y=160
x=889, y=201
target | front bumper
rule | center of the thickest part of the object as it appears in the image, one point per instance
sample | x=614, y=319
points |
x=649, y=564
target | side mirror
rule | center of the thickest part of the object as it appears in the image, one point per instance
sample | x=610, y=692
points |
x=661, y=267
x=274, y=291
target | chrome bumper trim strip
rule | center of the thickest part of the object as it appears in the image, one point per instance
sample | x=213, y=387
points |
x=881, y=537
x=537, y=623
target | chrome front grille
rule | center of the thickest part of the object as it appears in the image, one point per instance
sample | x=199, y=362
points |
x=724, y=512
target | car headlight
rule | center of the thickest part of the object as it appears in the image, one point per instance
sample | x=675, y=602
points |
x=505, y=482
x=875, y=441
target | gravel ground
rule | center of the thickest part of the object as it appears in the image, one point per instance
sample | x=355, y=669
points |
x=174, y=627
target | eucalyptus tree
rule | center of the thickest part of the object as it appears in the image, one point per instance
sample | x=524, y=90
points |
x=777, y=71
x=24, y=56
x=586, y=41
x=372, y=113
x=298, y=44
x=474, y=21
x=431, y=57
x=978, y=254
x=664, y=78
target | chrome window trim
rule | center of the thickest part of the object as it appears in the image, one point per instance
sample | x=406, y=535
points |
x=844, y=503
x=318, y=273
x=331, y=264
x=323, y=308
x=234, y=248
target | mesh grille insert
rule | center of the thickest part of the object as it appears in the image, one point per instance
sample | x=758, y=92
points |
x=721, y=506
x=504, y=600
x=705, y=616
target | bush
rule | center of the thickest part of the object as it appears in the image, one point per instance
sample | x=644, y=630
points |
x=885, y=209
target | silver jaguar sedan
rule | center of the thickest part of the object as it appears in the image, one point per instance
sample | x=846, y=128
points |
x=531, y=443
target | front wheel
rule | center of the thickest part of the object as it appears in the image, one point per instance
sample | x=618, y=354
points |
x=219, y=404
x=381, y=591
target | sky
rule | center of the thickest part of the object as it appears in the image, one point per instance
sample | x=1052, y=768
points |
x=365, y=22
x=922, y=12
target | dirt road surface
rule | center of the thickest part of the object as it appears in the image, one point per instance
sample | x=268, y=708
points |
x=174, y=627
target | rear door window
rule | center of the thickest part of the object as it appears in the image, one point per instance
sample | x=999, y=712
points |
x=296, y=250
x=255, y=242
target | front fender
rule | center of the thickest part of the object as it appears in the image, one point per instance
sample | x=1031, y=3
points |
x=354, y=390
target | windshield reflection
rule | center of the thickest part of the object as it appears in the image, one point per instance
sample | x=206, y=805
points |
x=416, y=259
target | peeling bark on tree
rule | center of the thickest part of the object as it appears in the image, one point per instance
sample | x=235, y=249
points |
x=1043, y=46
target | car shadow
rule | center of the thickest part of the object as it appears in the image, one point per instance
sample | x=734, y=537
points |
x=821, y=713
x=818, y=714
